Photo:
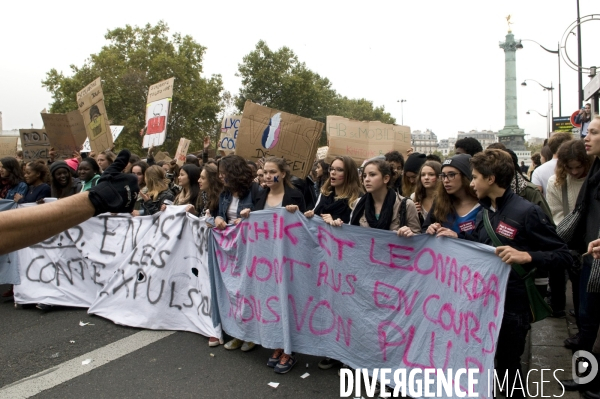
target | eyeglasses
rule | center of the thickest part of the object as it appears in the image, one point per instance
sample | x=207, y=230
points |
x=338, y=170
x=449, y=176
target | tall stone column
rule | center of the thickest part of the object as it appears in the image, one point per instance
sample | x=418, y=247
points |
x=511, y=136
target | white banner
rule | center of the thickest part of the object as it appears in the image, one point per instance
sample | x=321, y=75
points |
x=149, y=272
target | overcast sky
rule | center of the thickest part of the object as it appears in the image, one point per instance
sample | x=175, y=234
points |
x=441, y=56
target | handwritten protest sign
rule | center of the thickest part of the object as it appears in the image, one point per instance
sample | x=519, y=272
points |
x=114, y=130
x=158, y=107
x=365, y=297
x=116, y=266
x=66, y=132
x=182, y=150
x=229, y=131
x=268, y=132
x=364, y=140
x=8, y=146
x=90, y=101
x=35, y=144
x=322, y=152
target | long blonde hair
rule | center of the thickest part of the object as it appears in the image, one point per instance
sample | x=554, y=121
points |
x=351, y=188
x=155, y=181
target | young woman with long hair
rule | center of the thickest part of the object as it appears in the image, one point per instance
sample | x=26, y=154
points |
x=158, y=190
x=322, y=173
x=11, y=179
x=456, y=205
x=89, y=173
x=279, y=192
x=105, y=159
x=189, y=174
x=426, y=188
x=139, y=170
x=381, y=207
x=63, y=184
x=340, y=190
x=210, y=190
x=36, y=177
x=239, y=193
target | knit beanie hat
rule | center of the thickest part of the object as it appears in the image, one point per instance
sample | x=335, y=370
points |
x=414, y=162
x=73, y=163
x=57, y=165
x=462, y=162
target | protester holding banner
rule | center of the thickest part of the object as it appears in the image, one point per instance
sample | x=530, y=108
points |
x=525, y=237
x=89, y=173
x=411, y=172
x=11, y=179
x=279, y=192
x=239, y=193
x=341, y=189
x=139, y=170
x=105, y=159
x=425, y=191
x=63, y=184
x=563, y=188
x=36, y=176
x=455, y=207
x=158, y=190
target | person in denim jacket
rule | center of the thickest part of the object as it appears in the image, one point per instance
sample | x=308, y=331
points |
x=11, y=179
x=239, y=190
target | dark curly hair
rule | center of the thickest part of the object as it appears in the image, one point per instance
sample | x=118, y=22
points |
x=40, y=167
x=237, y=174
x=470, y=145
x=15, y=172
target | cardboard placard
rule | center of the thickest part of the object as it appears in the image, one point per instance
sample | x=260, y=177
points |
x=8, y=146
x=90, y=101
x=35, y=144
x=114, y=130
x=158, y=106
x=229, y=131
x=268, y=132
x=182, y=149
x=364, y=140
x=322, y=152
x=161, y=156
x=66, y=132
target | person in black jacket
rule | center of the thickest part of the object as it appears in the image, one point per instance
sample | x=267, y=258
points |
x=529, y=238
x=280, y=192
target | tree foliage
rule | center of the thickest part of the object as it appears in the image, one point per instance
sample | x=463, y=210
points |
x=277, y=79
x=134, y=59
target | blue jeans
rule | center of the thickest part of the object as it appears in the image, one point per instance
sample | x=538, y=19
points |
x=589, y=309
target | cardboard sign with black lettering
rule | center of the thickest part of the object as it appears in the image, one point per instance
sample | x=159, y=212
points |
x=90, y=101
x=66, y=132
x=266, y=132
x=158, y=106
x=364, y=140
x=230, y=127
x=35, y=144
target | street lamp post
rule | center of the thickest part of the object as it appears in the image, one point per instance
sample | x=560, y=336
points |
x=402, y=109
x=557, y=52
x=550, y=91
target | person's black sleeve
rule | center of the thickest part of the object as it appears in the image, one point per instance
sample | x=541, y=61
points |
x=549, y=250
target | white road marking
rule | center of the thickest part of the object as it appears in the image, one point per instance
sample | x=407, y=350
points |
x=68, y=370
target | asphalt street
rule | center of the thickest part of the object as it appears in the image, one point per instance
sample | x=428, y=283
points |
x=179, y=365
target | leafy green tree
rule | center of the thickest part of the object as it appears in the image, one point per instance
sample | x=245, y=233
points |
x=134, y=59
x=277, y=79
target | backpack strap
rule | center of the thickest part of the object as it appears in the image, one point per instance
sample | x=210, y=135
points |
x=565, y=199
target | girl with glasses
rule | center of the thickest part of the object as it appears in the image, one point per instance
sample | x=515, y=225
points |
x=456, y=206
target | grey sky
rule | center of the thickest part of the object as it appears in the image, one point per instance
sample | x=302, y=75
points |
x=441, y=56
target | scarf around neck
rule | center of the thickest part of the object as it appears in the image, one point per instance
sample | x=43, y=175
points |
x=366, y=206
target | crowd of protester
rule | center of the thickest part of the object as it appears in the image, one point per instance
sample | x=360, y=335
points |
x=409, y=194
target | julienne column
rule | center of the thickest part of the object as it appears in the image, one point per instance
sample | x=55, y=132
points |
x=511, y=136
